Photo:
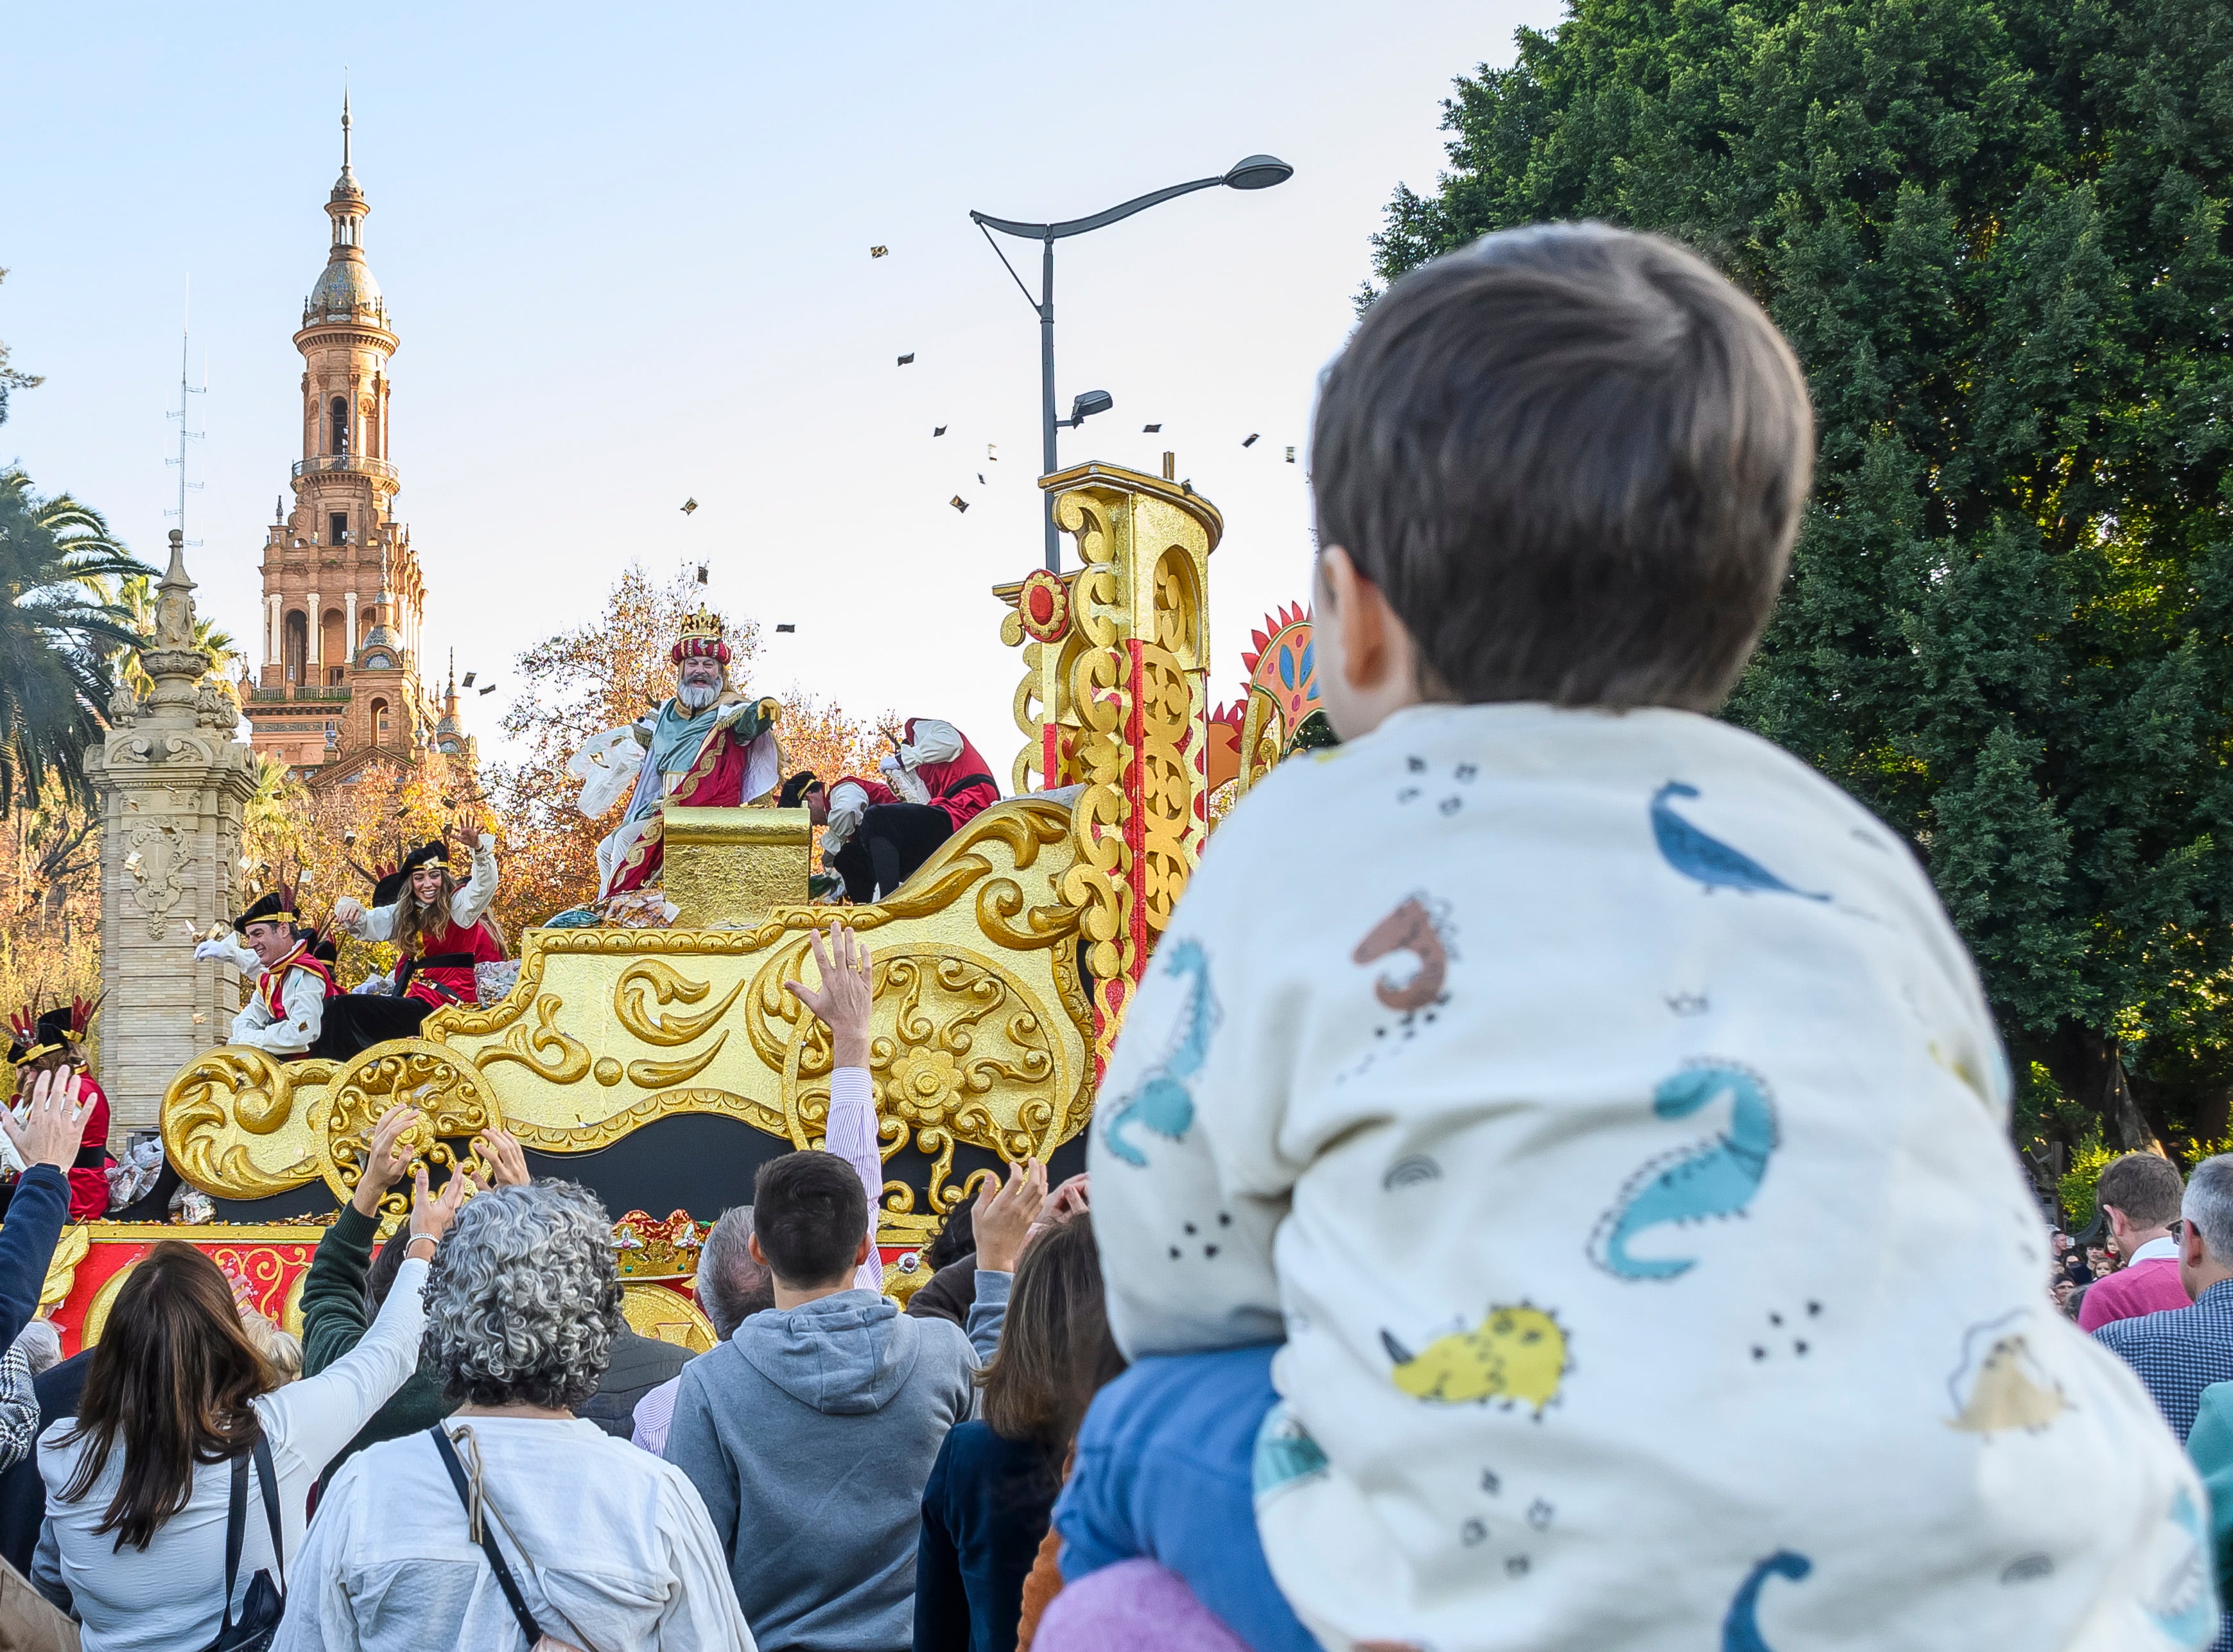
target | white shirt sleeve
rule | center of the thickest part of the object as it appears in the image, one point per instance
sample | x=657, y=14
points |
x=702, y=1614
x=318, y=1415
x=377, y=923
x=852, y=1137
x=849, y=801
x=304, y=995
x=473, y=900
x=935, y=742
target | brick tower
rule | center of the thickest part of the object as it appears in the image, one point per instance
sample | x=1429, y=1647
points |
x=343, y=597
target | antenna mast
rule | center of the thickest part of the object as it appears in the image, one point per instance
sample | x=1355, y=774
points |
x=185, y=336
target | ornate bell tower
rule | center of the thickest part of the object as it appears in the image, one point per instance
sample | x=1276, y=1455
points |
x=343, y=598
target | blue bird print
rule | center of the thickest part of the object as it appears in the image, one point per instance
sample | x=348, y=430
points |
x=1704, y=858
x=1741, y=1629
x=1163, y=1103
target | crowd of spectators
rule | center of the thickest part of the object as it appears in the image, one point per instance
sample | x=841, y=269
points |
x=469, y=1447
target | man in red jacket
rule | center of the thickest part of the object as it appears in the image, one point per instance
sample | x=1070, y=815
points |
x=875, y=834
x=2139, y=1193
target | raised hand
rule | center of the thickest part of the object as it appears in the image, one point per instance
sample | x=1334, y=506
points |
x=1003, y=1215
x=507, y=1164
x=348, y=910
x=1065, y=1202
x=846, y=998
x=431, y=1213
x=385, y=1159
x=53, y=1122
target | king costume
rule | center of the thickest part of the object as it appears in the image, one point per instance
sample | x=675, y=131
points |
x=721, y=756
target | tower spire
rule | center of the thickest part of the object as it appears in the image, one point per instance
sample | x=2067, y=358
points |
x=345, y=123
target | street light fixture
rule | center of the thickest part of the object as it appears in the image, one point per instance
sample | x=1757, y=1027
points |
x=1251, y=172
x=1092, y=402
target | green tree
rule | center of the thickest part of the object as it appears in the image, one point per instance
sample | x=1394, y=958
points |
x=10, y=379
x=57, y=633
x=1995, y=230
x=136, y=594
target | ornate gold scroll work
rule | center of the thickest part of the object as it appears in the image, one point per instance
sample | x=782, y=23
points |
x=229, y=1123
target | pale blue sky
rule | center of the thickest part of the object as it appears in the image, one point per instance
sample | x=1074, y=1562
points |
x=626, y=253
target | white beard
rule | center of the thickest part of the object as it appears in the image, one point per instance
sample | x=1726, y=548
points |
x=696, y=696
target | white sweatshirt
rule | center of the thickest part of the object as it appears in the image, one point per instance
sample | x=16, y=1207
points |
x=1606, y=1113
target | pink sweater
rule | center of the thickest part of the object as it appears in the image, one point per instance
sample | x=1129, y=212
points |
x=2144, y=1288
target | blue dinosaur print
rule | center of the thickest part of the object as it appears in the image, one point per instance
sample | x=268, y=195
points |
x=1713, y=1178
x=2185, y=1605
x=1163, y=1101
x=1741, y=1629
x=1705, y=858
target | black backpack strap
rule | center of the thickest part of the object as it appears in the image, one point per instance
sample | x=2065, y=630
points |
x=267, y=1479
x=528, y=1626
x=236, y=1529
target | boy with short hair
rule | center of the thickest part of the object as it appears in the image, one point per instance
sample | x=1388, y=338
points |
x=1619, y=1142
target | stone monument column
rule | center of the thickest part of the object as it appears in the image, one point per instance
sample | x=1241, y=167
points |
x=174, y=782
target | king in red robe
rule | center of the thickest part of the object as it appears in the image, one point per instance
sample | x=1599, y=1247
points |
x=709, y=747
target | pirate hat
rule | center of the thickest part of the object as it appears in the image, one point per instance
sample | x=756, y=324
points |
x=277, y=908
x=795, y=789
x=34, y=1032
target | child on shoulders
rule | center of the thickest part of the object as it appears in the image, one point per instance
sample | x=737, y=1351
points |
x=1556, y=1165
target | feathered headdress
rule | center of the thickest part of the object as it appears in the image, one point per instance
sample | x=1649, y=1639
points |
x=33, y=1032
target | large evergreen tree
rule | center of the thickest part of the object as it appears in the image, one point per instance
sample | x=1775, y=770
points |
x=1995, y=232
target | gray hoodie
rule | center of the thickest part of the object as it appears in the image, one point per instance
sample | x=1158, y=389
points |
x=810, y=1435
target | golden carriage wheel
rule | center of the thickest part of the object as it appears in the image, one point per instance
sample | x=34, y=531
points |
x=454, y=1102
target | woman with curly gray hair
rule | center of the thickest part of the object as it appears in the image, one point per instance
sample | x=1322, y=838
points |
x=515, y=1519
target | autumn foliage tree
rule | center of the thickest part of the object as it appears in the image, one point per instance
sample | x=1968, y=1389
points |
x=330, y=841
x=612, y=670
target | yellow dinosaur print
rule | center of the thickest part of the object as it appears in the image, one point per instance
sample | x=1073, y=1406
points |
x=1518, y=1355
x=2004, y=1393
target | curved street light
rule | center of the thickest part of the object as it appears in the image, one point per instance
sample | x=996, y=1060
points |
x=1251, y=172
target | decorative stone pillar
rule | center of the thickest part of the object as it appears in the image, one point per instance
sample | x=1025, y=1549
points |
x=172, y=782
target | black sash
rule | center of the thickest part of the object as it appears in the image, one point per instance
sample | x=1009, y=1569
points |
x=439, y=961
x=966, y=781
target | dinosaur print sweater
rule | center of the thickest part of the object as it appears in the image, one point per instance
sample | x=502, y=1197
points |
x=1604, y=1111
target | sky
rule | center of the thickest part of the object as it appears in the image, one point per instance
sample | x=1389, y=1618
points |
x=627, y=254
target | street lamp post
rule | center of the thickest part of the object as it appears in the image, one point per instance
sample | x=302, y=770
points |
x=1256, y=172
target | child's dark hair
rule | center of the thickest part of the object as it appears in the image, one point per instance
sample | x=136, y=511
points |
x=808, y=1214
x=1573, y=457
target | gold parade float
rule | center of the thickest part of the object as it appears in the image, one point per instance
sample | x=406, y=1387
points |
x=1002, y=966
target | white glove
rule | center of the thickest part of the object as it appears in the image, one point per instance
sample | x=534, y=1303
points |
x=210, y=949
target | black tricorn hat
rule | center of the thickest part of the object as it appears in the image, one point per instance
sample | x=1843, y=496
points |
x=277, y=908
x=389, y=889
x=795, y=789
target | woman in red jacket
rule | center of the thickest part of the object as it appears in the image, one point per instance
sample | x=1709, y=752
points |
x=443, y=931
x=41, y=1041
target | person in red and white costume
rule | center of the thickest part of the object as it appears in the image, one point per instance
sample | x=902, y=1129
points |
x=45, y=1040
x=443, y=933
x=874, y=833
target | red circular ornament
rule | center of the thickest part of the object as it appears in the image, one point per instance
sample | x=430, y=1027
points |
x=1044, y=606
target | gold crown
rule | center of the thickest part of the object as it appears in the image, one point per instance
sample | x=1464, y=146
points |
x=704, y=623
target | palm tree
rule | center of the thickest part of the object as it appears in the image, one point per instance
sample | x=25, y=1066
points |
x=57, y=630
x=136, y=593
